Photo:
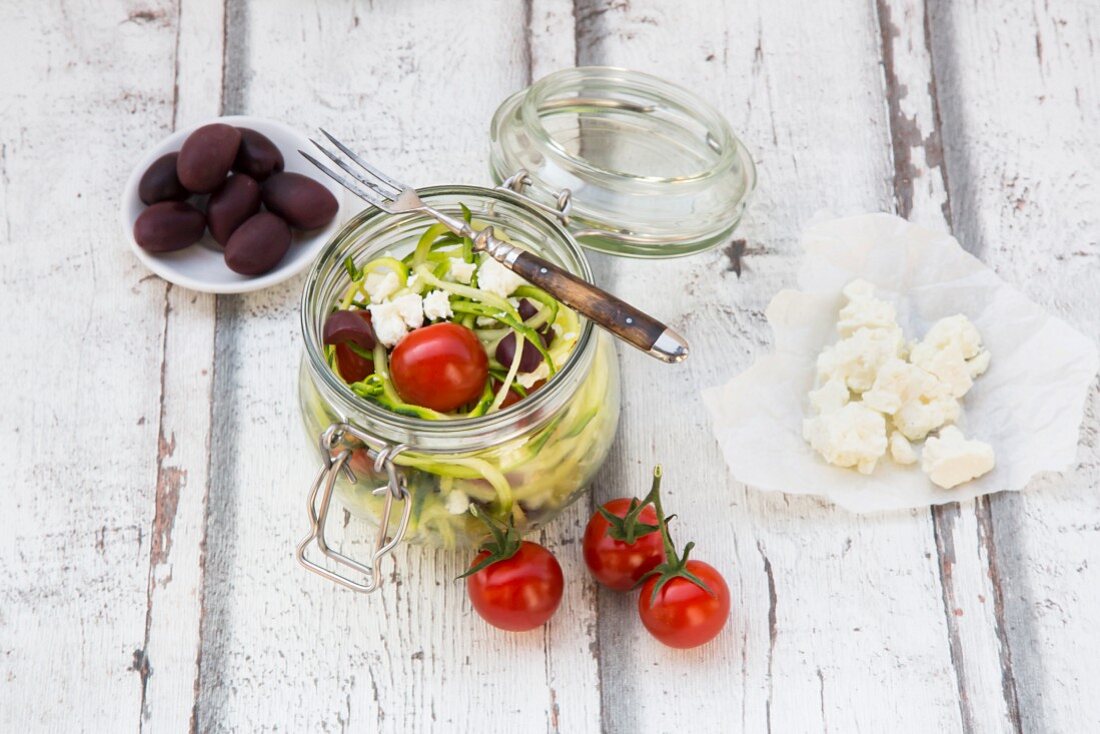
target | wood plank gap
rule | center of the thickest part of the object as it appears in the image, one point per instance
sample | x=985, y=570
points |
x=906, y=136
x=165, y=503
x=987, y=540
x=943, y=524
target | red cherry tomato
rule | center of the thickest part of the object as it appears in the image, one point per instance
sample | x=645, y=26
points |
x=518, y=593
x=442, y=367
x=615, y=563
x=683, y=615
x=352, y=367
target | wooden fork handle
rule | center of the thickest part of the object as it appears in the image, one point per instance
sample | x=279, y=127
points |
x=614, y=314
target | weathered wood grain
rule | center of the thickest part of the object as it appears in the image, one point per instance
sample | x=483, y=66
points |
x=177, y=543
x=85, y=88
x=415, y=85
x=828, y=606
x=1020, y=104
x=965, y=551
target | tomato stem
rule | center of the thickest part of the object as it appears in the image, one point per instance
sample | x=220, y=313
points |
x=675, y=566
x=628, y=528
x=503, y=543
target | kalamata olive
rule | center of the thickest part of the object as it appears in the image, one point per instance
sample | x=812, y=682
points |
x=168, y=226
x=301, y=201
x=258, y=245
x=206, y=157
x=160, y=182
x=228, y=208
x=349, y=326
x=258, y=157
x=506, y=350
x=527, y=309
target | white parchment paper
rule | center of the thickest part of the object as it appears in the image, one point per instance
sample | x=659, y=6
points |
x=1028, y=405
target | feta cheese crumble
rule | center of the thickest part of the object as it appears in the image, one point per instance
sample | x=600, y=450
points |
x=495, y=278
x=461, y=270
x=853, y=435
x=380, y=286
x=950, y=459
x=393, y=319
x=437, y=305
x=874, y=394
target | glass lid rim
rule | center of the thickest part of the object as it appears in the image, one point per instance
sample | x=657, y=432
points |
x=481, y=426
x=732, y=148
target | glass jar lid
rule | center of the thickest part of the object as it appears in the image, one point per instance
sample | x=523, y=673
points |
x=651, y=169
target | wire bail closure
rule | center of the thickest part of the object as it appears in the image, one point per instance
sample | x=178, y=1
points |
x=521, y=179
x=335, y=436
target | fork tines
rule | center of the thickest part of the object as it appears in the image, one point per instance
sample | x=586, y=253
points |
x=381, y=189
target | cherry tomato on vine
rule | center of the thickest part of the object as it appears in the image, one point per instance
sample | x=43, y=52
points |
x=514, y=585
x=620, y=551
x=442, y=367
x=683, y=603
x=518, y=593
x=682, y=614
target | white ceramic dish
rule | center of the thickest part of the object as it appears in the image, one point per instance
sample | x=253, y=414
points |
x=201, y=267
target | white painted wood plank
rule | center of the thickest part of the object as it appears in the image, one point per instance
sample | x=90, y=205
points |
x=1020, y=103
x=828, y=607
x=415, y=86
x=965, y=549
x=177, y=556
x=85, y=88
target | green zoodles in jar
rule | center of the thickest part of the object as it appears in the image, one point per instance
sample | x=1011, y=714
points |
x=431, y=332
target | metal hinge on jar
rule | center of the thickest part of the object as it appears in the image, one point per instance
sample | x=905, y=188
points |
x=337, y=444
x=521, y=179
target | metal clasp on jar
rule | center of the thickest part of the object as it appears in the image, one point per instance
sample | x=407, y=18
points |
x=336, y=449
x=521, y=179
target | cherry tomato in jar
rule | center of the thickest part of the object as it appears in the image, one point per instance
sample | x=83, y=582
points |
x=620, y=552
x=442, y=367
x=682, y=614
x=519, y=592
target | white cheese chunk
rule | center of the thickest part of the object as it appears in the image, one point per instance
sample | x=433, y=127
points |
x=380, y=286
x=978, y=365
x=831, y=396
x=898, y=383
x=950, y=459
x=917, y=418
x=856, y=359
x=437, y=305
x=952, y=351
x=393, y=319
x=853, y=435
x=863, y=310
x=457, y=503
x=495, y=278
x=901, y=451
x=462, y=271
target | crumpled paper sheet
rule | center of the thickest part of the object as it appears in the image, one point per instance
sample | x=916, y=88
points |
x=1029, y=405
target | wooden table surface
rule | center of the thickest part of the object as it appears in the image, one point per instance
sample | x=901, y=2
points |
x=155, y=469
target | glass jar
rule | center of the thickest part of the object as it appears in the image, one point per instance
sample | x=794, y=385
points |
x=653, y=170
x=527, y=461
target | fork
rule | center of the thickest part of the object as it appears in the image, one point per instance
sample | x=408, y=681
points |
x=613, y=314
